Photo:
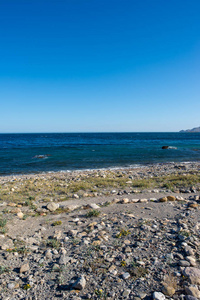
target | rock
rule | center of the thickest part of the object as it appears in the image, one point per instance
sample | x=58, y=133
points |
x=11, y=286
x=94, y=206
x=12, y=204
x=72, y=207
x=143, y=200
x=20, y=215
x=163, y=199
x=171, y=198
x=191, y=260
x=168, y=290
x=125, y=275
x=189, y=297
x=184, y=263
x=158, y=296
x=193, y=205
x=73, y=232
x=125, y=200
x=52, y=206
x=85, y=195
x=76, y=196
x=96, y=243
x=189, y=251
x=48, y=254
x=192, y=290
x=134, y=200
x=193, y=274
x=63, y=260
x=80, y=283
x=24, y=268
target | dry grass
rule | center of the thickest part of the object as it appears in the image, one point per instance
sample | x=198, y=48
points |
x=27, y=191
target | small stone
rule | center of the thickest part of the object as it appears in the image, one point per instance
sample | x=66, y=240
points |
x=189, y=297
x=75, y=220
x=63, y=260
x=193, y=205
x=192, y=290
x=76, y=196
x=143, y=200
x=125, y=275
x=184, y=263
x=48, y=254
x=189, y=251
x=96, y=243
x=11, y=286
x=12, y=204
x=73, y=232
x=80, y=283
x=94, y=206
x=56, y=268
x=52, y=206
x=72, y=207
x=163, y=199
x=126, y=293
x=158, y=296
x=24, y=268
x=20, y=215
x=191, y=260
x=125, y=200
x=193, y=274
x=171, y=198
x=168, y=290
x=134, y=200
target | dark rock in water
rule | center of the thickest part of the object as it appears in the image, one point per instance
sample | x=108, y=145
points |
x=168, y=147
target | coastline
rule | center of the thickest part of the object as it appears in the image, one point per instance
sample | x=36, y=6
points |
x=191, y=164
x=123, y=234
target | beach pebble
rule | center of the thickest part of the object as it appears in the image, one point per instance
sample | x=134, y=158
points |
x=24, y=268
x=52, y=206
x=94, y=206
x=193, y=274
x=163, y=199
x=192, y=290
x=80, y=283
x=125, y=200
x=158, y=296
x=125, y=275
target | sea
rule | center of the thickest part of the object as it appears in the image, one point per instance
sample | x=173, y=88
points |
x=51, y=152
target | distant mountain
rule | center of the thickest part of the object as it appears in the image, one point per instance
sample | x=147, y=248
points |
x=196, y=129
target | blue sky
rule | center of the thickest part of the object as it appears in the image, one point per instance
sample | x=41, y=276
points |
x=99, y=65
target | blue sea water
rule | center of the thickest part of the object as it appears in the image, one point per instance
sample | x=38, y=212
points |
x=43, y=152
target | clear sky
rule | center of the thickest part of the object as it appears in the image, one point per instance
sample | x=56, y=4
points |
x=99, y=65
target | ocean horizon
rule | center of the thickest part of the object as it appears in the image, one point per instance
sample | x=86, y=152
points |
x=23, y=153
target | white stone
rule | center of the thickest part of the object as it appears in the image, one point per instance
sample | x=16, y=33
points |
x=52, y=206
x=158, y=296
x=94, y=206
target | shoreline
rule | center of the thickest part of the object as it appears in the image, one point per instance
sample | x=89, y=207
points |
x=110, y=169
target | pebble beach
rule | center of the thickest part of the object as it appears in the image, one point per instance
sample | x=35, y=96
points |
x=101, y=234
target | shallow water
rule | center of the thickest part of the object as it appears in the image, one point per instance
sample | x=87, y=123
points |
x=43, y=152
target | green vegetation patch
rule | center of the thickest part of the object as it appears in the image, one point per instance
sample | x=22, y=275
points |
x=93, y=213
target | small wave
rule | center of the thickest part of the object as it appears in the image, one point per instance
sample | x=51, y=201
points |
x=42, y=156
